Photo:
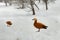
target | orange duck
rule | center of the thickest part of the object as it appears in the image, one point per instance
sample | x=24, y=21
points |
x=39, y=25
x=9, y=23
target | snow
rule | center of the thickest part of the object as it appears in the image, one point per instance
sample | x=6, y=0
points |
x=23, y=29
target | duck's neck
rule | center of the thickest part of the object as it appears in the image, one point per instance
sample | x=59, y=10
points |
x=35, y=21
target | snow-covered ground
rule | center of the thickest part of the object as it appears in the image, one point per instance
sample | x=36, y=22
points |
x=23, y=29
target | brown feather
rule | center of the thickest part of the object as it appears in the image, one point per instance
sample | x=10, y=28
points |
x=9, y=23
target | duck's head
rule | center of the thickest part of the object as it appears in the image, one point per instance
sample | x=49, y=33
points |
x=34, y=19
